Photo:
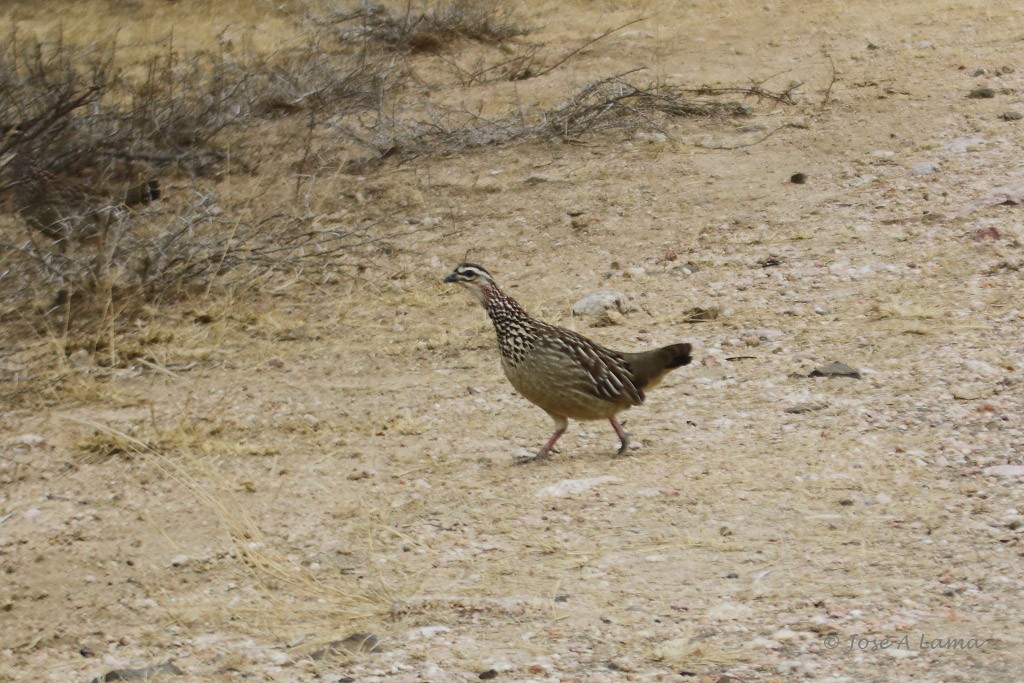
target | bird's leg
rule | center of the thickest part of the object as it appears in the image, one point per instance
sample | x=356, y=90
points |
x=546, y=450
x=561, y=424
x=623, y=436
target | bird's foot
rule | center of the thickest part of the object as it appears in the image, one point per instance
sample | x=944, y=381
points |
x=623, y=436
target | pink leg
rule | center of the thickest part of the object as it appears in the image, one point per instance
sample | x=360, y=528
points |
x=623, y=437
x=561, y=424
x=543, y=452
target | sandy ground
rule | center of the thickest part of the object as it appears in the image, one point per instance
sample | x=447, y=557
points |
x=294, y=468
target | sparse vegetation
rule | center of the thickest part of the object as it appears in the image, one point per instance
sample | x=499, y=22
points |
x=111, y=167
x=245, y=424
x=430, y=29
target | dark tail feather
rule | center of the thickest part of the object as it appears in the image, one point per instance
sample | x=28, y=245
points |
x=650, y=367
x=677, y=355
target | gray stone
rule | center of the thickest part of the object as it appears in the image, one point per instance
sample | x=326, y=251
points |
x=835, y=369
x=962, y=145
x=964, y=392
x=1006, y=470
x=147, y=673
x=801, y=408
x=924, y=168
x=598, y=302
x=570, y=487
x=700, y=314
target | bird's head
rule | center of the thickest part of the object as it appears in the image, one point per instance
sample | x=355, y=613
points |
x=473, y=277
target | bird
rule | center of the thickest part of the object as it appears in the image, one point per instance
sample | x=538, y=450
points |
x=561, y=371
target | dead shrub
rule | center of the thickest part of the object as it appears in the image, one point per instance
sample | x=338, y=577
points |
x=86, y=148
x=431, y=29
x=610, y=104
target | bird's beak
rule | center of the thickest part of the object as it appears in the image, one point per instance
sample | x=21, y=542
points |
x=451, y=278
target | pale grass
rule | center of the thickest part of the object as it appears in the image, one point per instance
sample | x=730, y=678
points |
x=896, y=307
x=176, y=457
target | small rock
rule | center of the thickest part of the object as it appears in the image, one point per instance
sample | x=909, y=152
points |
x=275, y=362
x=981, y=94
x=522, y=455
x=728, y=611
x=924, y=168
x=801, y=408
x=797, y=667
x=966, y=393
x=1012, y=116
x=598, y=302
x=610, y=317
x=29, y=440
x=425, y=632
x=179, y=560
x=835, y=369
x=636, y=272
x=982, y=234
x=798, y=178
x=355, y=643
x=85, y=651
x=982, y=368
x=962, y=145
x=487, y=675
x=1005, y=194
x=883, y=498
x=699, y=314
x=1005, y=470
x=568, y=487
x=31, y=513
x=80, y=359
x=686, y=268
x=763, y=333
x=147, y=673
